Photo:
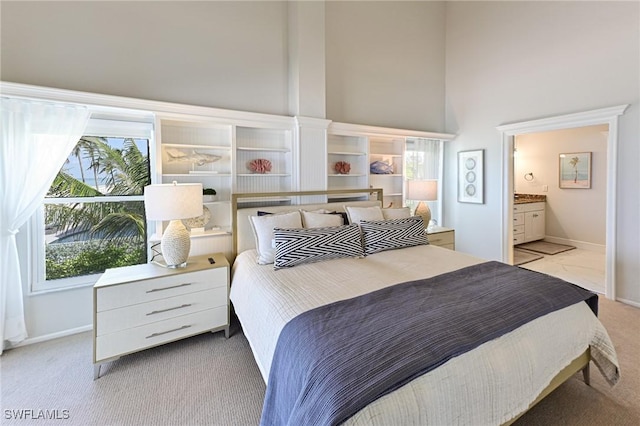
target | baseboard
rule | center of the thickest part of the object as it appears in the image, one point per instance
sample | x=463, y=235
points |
x=31, y=341
x=628, y=302
x=598, y=248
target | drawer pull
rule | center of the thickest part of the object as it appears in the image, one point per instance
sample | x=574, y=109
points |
x=186, y=305
x=168, y=288
x=166, y=332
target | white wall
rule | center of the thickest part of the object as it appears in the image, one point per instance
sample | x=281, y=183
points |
x=509, y=62
x=229, y=55
x=385, y=64
x=572, y=214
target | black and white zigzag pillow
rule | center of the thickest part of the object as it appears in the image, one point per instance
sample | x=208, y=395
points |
x=298, y=246
x=380, y=235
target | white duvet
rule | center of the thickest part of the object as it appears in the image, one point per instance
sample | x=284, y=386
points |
x=488, y=385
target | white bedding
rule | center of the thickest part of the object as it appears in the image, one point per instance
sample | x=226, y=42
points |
x=488, y=385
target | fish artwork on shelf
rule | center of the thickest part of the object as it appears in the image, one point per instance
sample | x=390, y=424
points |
x=195, y=157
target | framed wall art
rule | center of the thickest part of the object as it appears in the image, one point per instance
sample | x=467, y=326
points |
x=471, y=176
x=575, y=170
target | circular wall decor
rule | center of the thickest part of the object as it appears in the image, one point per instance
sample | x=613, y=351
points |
x=470, y=177
x=470, y=163
x=470, y=190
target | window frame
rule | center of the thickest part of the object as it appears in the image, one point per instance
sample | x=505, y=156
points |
x=439, y=217
x=120, y=127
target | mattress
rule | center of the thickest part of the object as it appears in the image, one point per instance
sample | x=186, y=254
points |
x=488, y=385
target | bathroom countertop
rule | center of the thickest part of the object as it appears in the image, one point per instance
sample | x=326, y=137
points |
x=528, y=198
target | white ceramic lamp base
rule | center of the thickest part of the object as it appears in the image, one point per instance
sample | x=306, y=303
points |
x=175, y=245
x=423, y=211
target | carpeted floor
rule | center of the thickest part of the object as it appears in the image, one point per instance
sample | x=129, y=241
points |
x=210, y=380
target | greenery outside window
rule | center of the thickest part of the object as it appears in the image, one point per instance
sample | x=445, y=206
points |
x=93, y=215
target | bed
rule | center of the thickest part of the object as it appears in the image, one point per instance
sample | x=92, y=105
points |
x=494, y=382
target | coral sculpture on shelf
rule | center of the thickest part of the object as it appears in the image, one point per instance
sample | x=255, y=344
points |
x=260, y=165
x=342, y=168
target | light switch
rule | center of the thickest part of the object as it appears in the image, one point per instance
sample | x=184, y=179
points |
x=545, y=188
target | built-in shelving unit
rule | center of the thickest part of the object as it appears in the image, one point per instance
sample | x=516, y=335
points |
x=344, y=145
x=217, y=152
x=270, y=143
x=388, y=150
x=361, y=145
x=199, y=150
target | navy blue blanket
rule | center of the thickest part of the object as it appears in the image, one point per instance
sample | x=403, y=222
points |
x=332, y=361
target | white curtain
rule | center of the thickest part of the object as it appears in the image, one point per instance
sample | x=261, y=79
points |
x=35, y=140
x=423, y=160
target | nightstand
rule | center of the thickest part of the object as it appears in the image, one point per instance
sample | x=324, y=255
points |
x=142, y=306
x=442, y=237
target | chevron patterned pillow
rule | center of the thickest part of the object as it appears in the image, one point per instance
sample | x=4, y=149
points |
x=298, y=246
x=393, y=234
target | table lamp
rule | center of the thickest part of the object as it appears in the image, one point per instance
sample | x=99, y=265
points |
x=422, y=190
x=173, y=202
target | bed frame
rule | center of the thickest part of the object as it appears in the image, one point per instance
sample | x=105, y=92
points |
x=242, y=240
x=241, y=227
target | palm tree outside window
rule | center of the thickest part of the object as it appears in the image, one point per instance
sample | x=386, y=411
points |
x=93, y=215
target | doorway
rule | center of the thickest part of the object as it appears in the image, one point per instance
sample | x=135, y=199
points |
x=508, y=132
x=565, y=228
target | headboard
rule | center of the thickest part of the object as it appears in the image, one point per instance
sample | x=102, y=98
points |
x=243, y=238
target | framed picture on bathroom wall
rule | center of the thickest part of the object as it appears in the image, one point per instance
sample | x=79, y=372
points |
x=471, y=176
x=575, y=170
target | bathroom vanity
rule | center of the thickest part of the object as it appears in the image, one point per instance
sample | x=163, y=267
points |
x=528, y=218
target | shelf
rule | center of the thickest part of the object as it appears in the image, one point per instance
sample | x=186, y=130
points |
x=212, y=233
x=196, y=174
x=217, y=202
x=194, y=146
x=247, y=148
x=388, y=175
x=393, y=194
x=380, y=154
x=347, y=175
x=346, y=153
x=263, y=174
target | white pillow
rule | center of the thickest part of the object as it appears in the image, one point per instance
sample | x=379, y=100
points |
x=401, y=213
x=320, y=220
x=263, y=232
x=356, y=214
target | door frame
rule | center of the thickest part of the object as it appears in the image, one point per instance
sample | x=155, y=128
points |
x=581, y=119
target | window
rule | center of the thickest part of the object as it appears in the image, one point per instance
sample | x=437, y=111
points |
x=93, y=215
x=424, y=159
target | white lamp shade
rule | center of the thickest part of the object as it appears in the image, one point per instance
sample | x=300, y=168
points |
x=423, y=190
x=173, y=201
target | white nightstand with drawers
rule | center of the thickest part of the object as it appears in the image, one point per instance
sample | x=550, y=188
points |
x=142, y=306
x=442, y=237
